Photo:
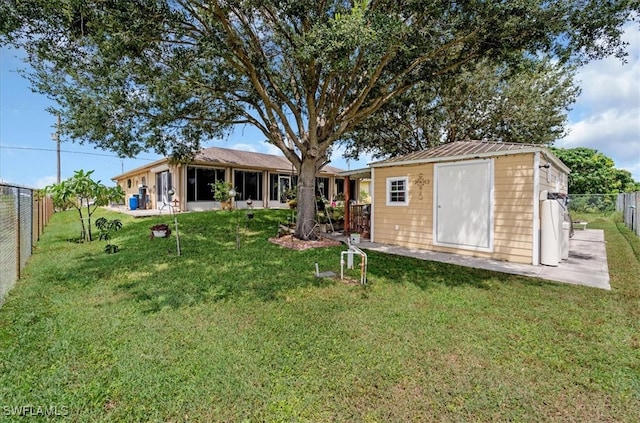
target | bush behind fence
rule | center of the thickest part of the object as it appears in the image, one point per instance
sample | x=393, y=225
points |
x=23, y=216
x=603, y=204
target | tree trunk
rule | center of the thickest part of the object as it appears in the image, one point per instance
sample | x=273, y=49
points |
x=83, y=231
x=306, y=199
x=89, y=235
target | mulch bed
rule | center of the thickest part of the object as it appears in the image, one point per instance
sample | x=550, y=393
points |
x=289, y=241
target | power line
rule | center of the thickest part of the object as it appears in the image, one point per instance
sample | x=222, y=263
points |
x=75, y=152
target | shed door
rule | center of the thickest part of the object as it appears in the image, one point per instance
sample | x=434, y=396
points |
x=463, y=205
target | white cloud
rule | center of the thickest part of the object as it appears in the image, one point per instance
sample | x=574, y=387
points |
x=271, y=149
x=610, y=84
x=606, y=116
x=615, y=130
x=257, y=147
x=44, y=181
x=244, y=147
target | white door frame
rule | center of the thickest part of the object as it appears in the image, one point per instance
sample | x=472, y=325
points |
x=162, y=190
x=282, y=190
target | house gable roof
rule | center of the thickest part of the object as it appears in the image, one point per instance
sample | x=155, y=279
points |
x=249, y=159
x=235, y=158
x=229, y=157
x=460, y=150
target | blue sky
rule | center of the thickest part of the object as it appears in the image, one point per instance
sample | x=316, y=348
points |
x=606, y=117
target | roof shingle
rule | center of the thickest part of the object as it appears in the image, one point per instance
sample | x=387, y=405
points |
x=249, y=159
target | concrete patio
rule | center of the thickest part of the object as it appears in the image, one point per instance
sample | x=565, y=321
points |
x=587, y=263
x=140, y=212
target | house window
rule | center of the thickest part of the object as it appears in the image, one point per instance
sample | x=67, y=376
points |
x=128, y=183
x=398, y=191
x=248, y=185
x=199, y=180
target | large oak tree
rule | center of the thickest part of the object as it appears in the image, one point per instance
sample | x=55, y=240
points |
x=524, y=102
x=168, y=75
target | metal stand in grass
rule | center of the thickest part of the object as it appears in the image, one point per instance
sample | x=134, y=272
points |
x=232, y=195
x=175, y=220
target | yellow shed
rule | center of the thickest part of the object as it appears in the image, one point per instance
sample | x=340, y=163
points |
x=470, y=197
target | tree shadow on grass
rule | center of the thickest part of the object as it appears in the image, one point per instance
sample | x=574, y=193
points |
x=430, y=274
x=211, y=268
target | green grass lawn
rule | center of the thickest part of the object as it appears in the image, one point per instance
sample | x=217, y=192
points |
x=220, y=334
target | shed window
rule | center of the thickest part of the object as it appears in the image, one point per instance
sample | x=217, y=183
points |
x=397, y=191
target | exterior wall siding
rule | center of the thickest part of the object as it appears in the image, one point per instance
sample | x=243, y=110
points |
x=553, y=179
x=179, y=185
x=412, y=225
x=137, y=179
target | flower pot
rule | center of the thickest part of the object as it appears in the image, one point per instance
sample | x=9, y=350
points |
x=159, y=234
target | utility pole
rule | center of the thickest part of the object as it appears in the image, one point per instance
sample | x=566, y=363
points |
x=56, y=137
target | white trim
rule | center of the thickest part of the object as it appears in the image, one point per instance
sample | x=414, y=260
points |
x=203, y=205
x=392, y=179
x=159, y=169
x=372, y=209
x=358, y=173
x=491, y=228
x=182, y=195
x=535, y=253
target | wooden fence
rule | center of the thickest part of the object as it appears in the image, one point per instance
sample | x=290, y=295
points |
x=629, y=205
x=24, y=213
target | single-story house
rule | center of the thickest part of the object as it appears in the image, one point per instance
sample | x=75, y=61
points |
x=263, y=178
x=471, y=197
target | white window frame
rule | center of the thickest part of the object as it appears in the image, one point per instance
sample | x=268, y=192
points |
x=390, y=180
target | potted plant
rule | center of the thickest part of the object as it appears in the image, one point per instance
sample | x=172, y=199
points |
x=160, y=230
x=221, y=191
x=322, y=221
x=337, y=216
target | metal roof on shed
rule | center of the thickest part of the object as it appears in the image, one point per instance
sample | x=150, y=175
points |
x=467, y=149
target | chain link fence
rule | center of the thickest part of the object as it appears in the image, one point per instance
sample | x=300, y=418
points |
x=23, y=216
x=629, y=204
